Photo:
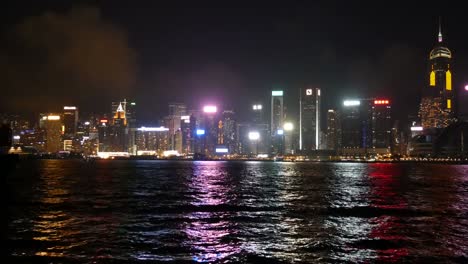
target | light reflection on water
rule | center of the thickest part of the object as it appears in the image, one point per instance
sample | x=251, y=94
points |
x=238, y=212
x=207, y=229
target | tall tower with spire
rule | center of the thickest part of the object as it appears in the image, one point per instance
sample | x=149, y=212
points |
x=437, y=104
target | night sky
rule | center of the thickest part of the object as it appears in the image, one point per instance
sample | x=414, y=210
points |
x=90, y=53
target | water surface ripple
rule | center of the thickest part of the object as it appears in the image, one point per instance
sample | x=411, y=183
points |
x=62, y=211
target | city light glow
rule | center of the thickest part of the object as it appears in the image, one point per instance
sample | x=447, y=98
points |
x=86, y=123
x=103, y=121
x=210, y=109
x=16, y=137
x=351, y=103
x=69, y=108
x=200, y=132
x=288, y=126
x=170, y=153
x=107, y=155
x=257, y=107
x=146, y=152
x=276, y=93
x=153, y=129
x=466, y=87
x=53, y=117
x=254, y=135
x=416, y=128
x=221, y=150
x=381, y=102
x=280, y=132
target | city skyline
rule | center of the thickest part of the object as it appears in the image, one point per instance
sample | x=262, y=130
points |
x=309, y=51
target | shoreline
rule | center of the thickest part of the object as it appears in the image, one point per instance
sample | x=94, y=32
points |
x=18, y=158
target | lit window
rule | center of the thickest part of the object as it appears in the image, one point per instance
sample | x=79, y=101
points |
x=432, y=79
x=448, y=80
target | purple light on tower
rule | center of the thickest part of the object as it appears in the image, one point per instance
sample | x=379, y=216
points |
x=466, y=87
x=210, y=109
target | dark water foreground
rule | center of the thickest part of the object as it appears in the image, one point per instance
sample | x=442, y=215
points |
x=68, y=211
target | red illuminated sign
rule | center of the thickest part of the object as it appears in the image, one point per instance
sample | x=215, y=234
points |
x=103, y=120
x=381, y=102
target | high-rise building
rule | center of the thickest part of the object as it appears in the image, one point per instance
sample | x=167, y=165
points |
x=257, y=113
x=187, y=134
x=211, y=126
x=277, y=112
x=119, y=111
x=438, y=102
x=152, y=140
x=229, y=131
x=70, y=121
x=118, y=133
x=122, y=129
x=289, y=138
x=243, y=142
x=130, y=109
x=53, y=133
x=173, y=122
x=351, y=124
x=104, y=140
x=381, y=124
x=366, y=126
x=276, y=124
x=332, y=129
x=309, y=119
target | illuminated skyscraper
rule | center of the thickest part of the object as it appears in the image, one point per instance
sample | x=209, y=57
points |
x=277, y=112
x=437, y=104
x=123, y=126
x=70, y=121
x=229, y=131
x=309, y=119
x=257, y=113
x=119, y=111
x=351, y=124
x=53, y=133
x=211, y=124
x=152, y=140
x=332, y=129
x=366, y=126
x=130, y=110
x=381, y=124
x=104, y=140
x=258, y=124
x=277, y=120
x=118, y=132
x=173, y=122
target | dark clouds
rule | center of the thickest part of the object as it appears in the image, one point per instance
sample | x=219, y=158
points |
x=66, y=58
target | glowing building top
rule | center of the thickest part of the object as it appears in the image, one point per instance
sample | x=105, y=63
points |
x=440, y=75
x=437, y=105
x=439, y=50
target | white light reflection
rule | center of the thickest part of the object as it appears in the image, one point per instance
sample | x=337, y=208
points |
x=279, y=196
x=348, y=199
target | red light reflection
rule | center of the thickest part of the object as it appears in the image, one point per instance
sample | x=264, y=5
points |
x=385, y=194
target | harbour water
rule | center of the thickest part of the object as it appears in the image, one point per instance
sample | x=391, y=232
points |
x=130, y=211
